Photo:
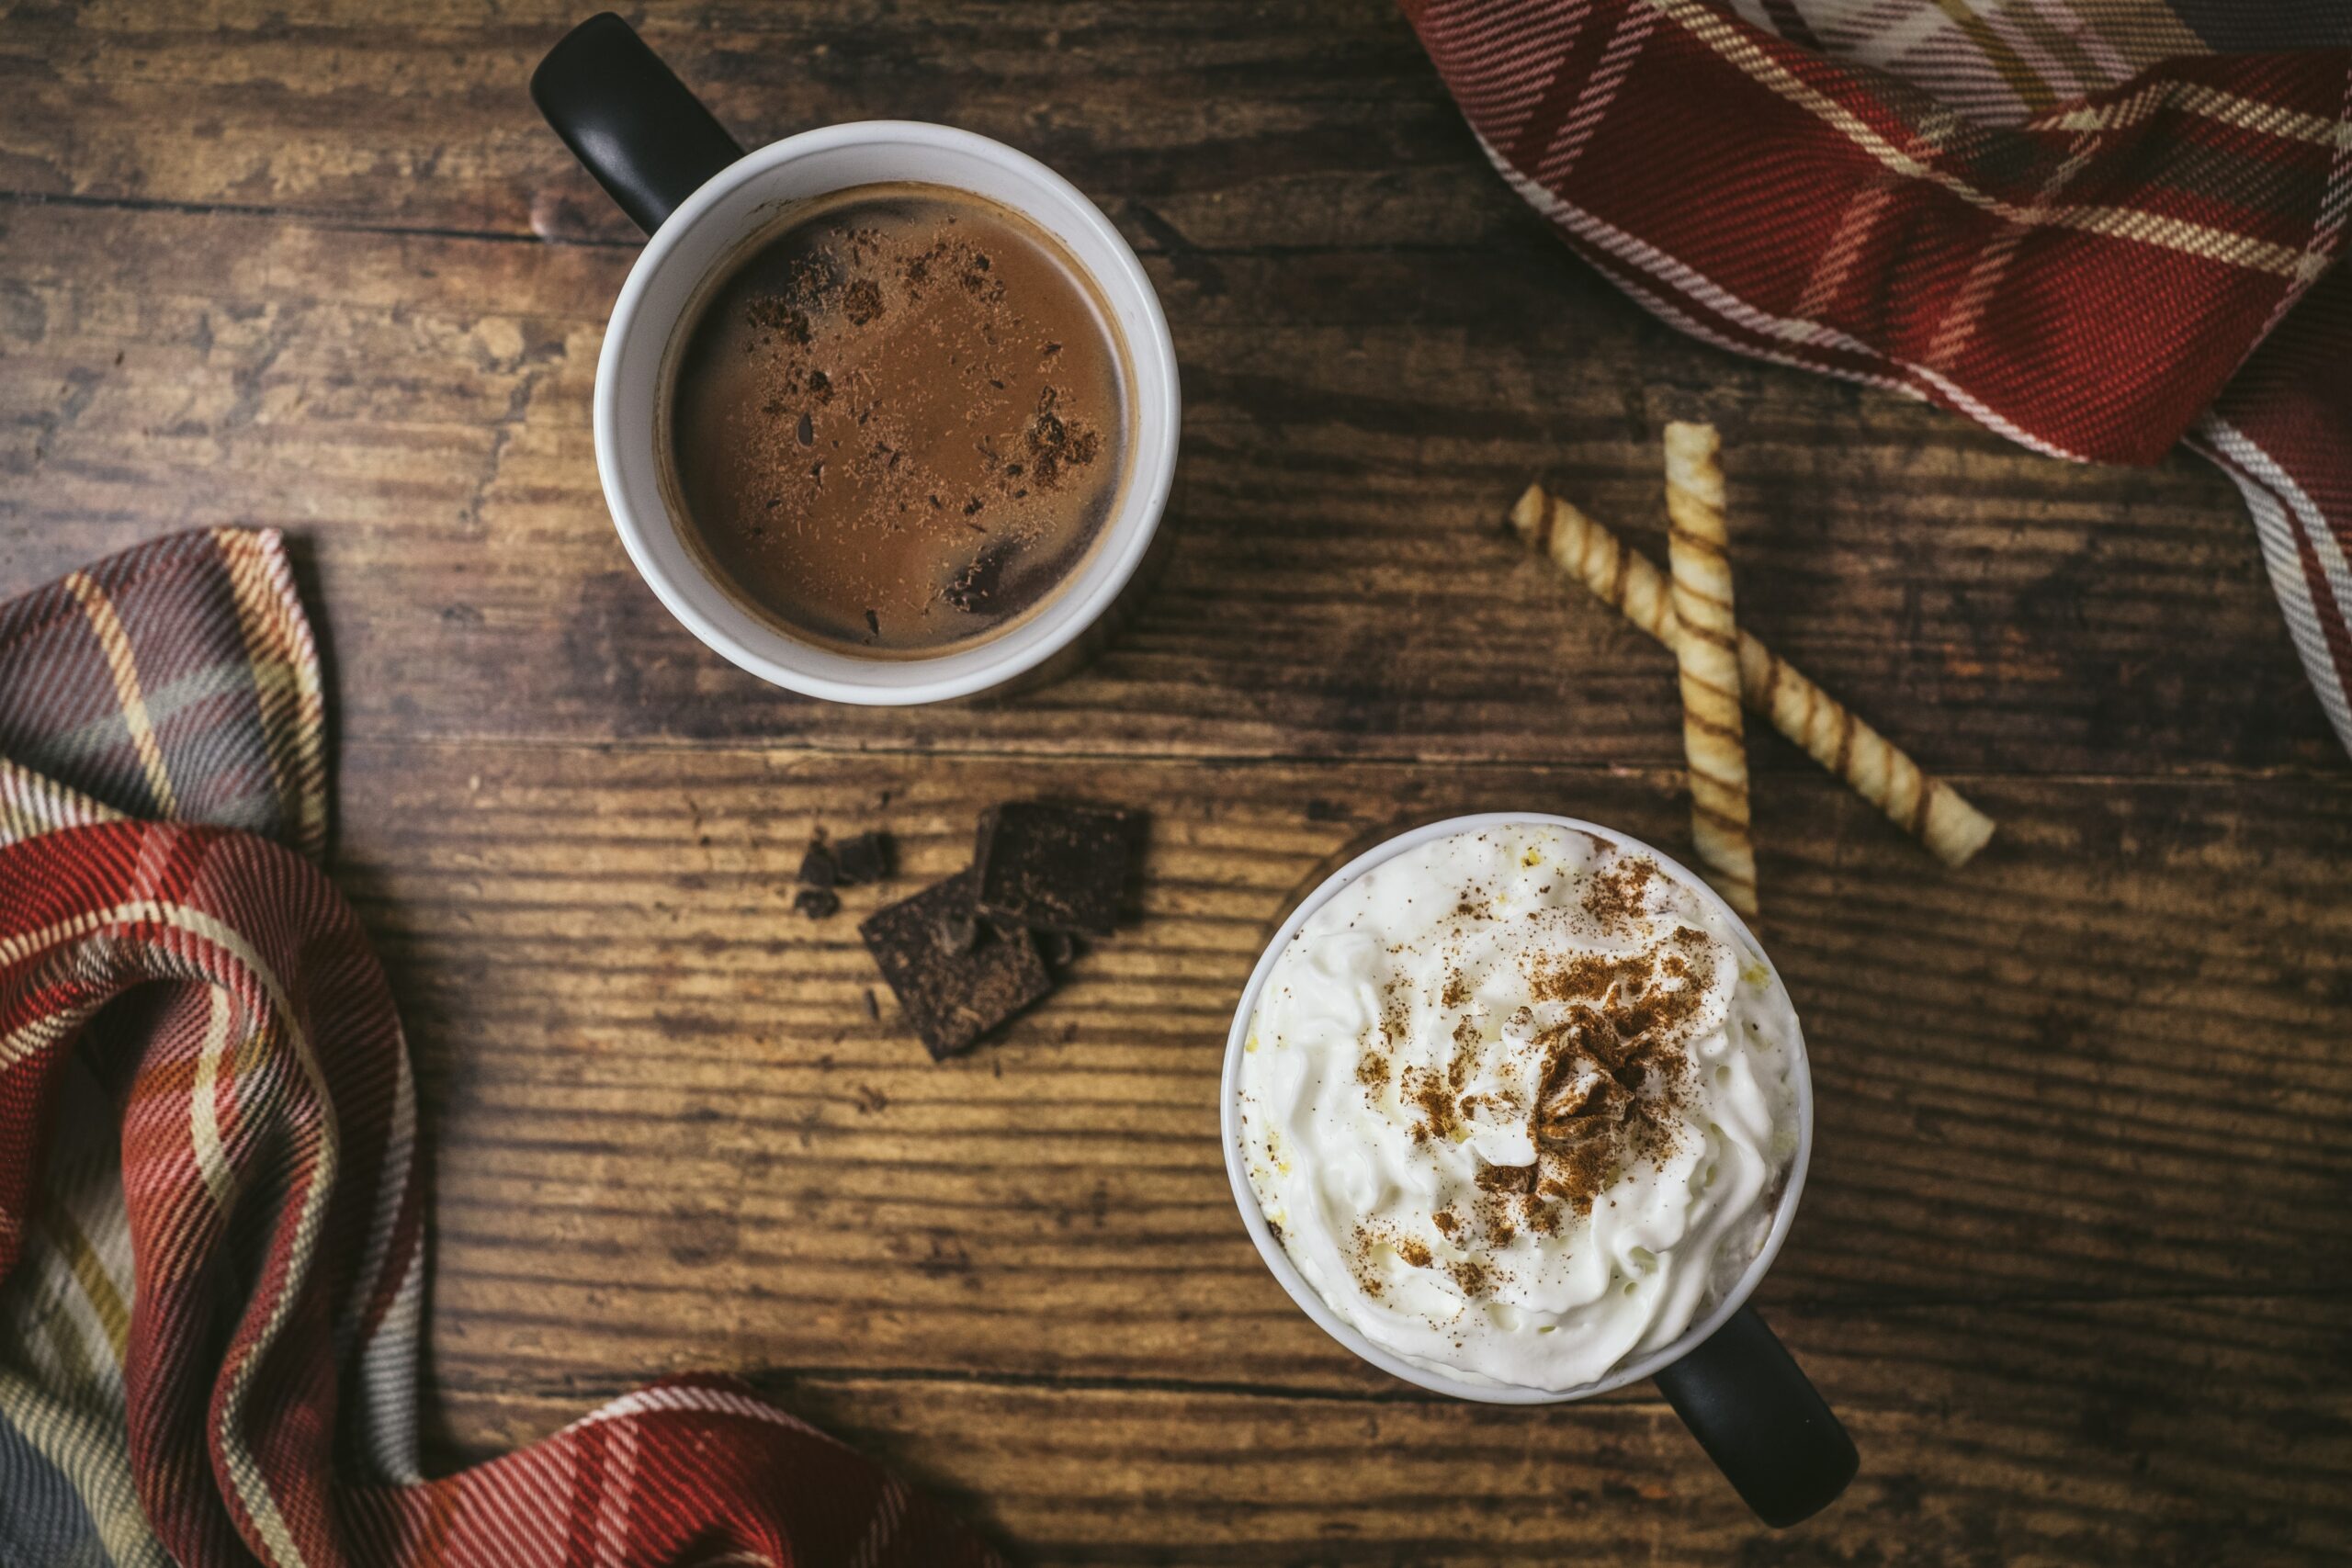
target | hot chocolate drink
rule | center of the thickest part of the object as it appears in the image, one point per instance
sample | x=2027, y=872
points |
x=899, y=422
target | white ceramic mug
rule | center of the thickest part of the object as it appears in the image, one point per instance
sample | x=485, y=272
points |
x=1727, y=1375
x=701, y=198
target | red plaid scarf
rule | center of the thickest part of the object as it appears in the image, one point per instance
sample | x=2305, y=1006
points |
x=2098, y=227
x=211, y=1233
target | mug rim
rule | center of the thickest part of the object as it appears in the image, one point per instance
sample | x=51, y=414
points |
x=1304, y=1294
x=1068, y=613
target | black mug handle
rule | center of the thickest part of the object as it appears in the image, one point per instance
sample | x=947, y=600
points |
x=648, y=142
x=1762, y=1422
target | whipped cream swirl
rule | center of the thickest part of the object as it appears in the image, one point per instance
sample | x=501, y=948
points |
x=1519, y=1105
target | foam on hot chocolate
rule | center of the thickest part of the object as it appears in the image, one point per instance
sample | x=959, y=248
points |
x=1519, y=1105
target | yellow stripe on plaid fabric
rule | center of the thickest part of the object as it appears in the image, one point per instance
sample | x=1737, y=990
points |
x=2022, y=79
x=32, y=804
x=1718, y=33
x=285, y=679
x=115, y=643
x=90, y=1451
x=59, y=1227
x=245, y=1470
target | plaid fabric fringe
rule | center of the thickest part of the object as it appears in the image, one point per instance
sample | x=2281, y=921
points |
x=212, y=1233
x=2097, y=227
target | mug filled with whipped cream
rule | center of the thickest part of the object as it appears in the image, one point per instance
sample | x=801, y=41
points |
x=1517, y=1109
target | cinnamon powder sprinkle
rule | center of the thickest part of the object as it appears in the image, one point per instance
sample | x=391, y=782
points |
x=1617, y=896
x=1614, y=1068
x=1613, y=1033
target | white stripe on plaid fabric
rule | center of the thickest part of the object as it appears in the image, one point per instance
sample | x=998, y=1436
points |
x=2287, y=521
x=1946, y=48
x=2211, y=102
x=885, y=1527
x=1643, y=262
x=2146, y=228
x=204, y=1120
x=1993, y=261
x=612, y=1508
x=244, y=1471
x=1601, y=87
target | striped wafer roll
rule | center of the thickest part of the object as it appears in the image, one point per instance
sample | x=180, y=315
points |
x=1713, y=738
x=1915, y=801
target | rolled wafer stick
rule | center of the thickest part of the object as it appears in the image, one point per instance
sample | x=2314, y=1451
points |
x=1865, y=760
x=1714, y=738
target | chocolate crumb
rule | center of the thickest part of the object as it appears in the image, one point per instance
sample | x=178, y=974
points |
x=861, y=302
x=865, y=858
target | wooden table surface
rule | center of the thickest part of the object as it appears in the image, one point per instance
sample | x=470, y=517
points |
x=2073, y=1258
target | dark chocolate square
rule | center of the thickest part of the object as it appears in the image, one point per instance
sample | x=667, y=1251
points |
x=952, y=997
x=1055, y=868
x=863, y=859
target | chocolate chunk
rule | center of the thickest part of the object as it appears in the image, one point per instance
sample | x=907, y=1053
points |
x=817, y=867
x=1055, y=868
x=952, y=999
x=1058, y=949
x=959, y=931
x=817, y=902
x=865, y=858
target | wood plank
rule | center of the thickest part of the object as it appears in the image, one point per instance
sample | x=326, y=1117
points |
x=414, y=409
x=2103, y=1060
x=1203, y=123
x=2181, y=1431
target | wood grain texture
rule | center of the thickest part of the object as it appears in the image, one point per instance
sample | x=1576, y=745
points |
x=2074, y=1251
x=609, y=991
x=2048, y=1434
x=1340, y=584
